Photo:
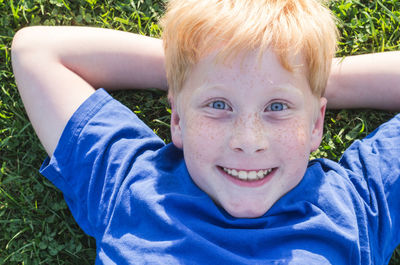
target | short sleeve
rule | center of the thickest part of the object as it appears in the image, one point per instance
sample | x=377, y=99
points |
x=100, y=144
x=373, y=165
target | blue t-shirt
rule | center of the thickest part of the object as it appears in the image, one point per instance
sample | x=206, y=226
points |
x=134, y=195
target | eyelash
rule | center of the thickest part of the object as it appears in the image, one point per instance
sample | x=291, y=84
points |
x=269, y=107
x=226, y=106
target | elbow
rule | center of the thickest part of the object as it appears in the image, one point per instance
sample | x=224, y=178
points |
x=21, y=46
x=22, y=40
x=27, y=40
x=28, y=53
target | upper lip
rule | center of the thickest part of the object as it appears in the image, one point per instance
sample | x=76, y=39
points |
x=248, y=170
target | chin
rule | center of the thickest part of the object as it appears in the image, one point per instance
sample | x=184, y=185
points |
x=246, y=212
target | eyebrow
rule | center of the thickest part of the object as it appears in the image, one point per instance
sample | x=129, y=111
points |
x=284, y=87
x=287, y=88
x=217, y=87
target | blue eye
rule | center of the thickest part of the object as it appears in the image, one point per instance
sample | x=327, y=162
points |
x=218, y=104
x=277, y=106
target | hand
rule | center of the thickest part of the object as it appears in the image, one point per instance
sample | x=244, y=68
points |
x=57, y=68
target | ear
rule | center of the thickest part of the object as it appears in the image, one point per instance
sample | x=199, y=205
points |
x=318, y=126
x=176, y=131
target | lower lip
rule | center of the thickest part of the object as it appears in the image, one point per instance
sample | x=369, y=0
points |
x=248, y=183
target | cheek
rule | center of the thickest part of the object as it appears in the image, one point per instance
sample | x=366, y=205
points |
x=294, y=138
x=201, y=137
x=293, y=147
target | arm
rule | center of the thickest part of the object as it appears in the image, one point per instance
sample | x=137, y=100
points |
x=365, y=81
x=57, y=68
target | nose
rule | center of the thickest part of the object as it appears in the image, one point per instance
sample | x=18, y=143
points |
x=249, y=135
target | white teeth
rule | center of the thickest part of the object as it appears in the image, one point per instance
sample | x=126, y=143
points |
x=243, y=175
x=247, y=175
x=267, y=171
x=252, y=175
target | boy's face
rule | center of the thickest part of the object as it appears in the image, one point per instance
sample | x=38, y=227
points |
x=246, y=129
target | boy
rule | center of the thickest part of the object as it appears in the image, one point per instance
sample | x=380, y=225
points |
x=247, y=109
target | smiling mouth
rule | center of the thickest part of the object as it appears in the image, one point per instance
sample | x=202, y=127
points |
x=248, y=175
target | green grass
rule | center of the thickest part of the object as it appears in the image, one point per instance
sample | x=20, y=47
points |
x=35, y=224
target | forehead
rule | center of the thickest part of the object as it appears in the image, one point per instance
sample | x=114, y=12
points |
x=248, y=77
x=251, y=67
